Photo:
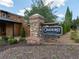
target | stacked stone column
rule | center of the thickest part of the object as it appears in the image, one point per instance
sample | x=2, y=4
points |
x=35, y=21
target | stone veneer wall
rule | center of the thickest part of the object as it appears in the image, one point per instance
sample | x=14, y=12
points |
x=35, y=21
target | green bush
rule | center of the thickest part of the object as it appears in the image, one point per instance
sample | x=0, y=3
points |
x=73, y=35
x=2, y=42
x=22, y=39
x=66, y=28
x=5, y=38
x=22, y=33
x=11, y=41
x=77, y=40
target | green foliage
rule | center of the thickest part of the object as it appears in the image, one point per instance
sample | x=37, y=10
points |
x=74, y=25
x=68, y=16
x=22, y=33
x=77, y=40
x=75, y=36
x=77, y=21
x=11, y=40
x=22, y=39
x=39, y=7
x=68, y=21
x=65, y=28
x=5, y=38
x=2, y=42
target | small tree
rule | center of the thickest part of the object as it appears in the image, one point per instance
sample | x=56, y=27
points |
x=74, y=25
x=77, y=21
x=68, y=21
x=39, y=7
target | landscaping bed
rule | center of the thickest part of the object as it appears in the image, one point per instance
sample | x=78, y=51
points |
x=75, y=36
x=11, y=40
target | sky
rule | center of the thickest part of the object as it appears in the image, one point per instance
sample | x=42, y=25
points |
x=19, y=6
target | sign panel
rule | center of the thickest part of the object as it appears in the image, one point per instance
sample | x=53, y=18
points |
x=52, y=30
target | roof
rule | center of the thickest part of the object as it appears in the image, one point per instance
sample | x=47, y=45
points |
x=11, y=13
x=51, y=23
x=8, y=20
x=34, y=16
x=54, y=23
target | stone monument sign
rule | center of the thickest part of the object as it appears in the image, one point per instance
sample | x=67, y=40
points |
x=35, y=21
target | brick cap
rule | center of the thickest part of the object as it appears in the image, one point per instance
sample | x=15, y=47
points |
x=36, y=16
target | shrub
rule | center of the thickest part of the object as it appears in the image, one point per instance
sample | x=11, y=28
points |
x=2, y=42
x=11, y=41
x=66, y=28
x=22, y=39
x=73, y=35
x=77, y=40
x=22, y=32
x=73, y=27
x=5, y=38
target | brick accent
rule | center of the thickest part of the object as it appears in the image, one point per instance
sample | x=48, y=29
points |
x=9, y=29
x=18, y=19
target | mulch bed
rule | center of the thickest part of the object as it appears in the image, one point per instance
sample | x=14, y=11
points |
x=4, y=47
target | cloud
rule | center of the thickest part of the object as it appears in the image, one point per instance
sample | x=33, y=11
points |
x=7, y=3
x=21, y=12
x=56, y=3
x=60, y=15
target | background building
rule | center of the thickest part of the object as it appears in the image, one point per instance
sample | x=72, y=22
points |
x=10, y=24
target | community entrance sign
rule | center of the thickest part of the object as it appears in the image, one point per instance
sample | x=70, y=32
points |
x=52, y=30
x=39, y=30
